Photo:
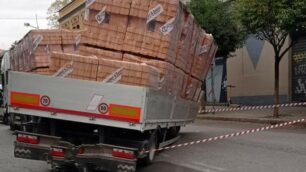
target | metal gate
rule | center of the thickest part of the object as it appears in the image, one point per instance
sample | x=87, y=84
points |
x=299, y=70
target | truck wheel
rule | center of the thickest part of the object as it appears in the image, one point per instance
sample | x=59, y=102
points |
x=153, y=145
x=13, y=127
x=5, y=119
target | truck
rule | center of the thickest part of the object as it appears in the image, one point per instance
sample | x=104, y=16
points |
x=5, y=66
x=13, y=120
x=79, y=125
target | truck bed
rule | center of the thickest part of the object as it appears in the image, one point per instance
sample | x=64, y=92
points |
x=114, y=105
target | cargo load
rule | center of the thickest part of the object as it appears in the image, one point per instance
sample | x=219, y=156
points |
x=152, y=43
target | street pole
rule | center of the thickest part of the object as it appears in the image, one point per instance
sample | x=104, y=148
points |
x=36, y=21
x=213, y=87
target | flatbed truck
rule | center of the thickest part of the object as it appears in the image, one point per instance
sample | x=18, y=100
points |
x=78, y=125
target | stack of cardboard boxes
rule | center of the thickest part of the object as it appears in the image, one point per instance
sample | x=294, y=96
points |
x=151, y=43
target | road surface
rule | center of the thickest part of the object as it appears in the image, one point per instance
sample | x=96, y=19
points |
x=279, y=150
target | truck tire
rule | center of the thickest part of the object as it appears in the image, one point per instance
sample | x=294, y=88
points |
x=13, y=127
x=173, y=131
x=153, y=144
x=6, y=119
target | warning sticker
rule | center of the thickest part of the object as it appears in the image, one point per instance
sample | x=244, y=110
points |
x=47, y=49
x=100, y=17
x=77, y=40
x=154, y=13
x=65, y=70
x=204, y=49
x=37, y=41
x=114, y=77
x=86, y=15
x=95, y=101
x=168, y=27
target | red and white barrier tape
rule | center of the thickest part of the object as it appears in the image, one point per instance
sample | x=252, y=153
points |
x=255, y=107
x=229, y=135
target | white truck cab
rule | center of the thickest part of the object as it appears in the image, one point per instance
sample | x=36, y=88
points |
x=5, y=67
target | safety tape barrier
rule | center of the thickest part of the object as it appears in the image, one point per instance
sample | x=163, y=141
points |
x=255, y=107
x=229, y=135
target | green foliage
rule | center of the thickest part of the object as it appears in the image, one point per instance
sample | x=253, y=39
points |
x=217, y=17
x=53, y=15
x=272, y=20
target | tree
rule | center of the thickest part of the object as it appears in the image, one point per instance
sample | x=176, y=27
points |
x=217, y=17
x=52, y=13
x=273, y=21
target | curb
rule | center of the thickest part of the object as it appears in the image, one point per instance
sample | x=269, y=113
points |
x=248, y=120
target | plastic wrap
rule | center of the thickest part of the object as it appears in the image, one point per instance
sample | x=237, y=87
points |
x=208, y=56
x=203, y=59
x=192, y=88
x=177, y=82
x=33, y=50
x=166, y=70
x=170, y=7
x=84, y=67
x=100, y=53
x=108, y=29
x=185, y=42
x=137, y=74
x=144, y=34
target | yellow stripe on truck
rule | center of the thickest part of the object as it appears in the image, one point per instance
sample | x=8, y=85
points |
x=25, y=98
x=125, y=111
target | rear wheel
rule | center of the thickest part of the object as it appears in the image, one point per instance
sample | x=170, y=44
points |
x=153, y=145
x=5, y=119
x=173, y=132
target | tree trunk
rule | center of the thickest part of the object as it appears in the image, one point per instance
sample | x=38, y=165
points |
x=276, y=86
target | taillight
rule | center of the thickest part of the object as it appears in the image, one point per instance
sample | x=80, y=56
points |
x=81, y=151
x=57, y=152
x=27, y=139
x=123, y=153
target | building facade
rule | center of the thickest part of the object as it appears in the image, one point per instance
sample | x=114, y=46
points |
x=251, y=72
x=72, y=15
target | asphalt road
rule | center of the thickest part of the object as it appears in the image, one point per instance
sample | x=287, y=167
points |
x=279, y=150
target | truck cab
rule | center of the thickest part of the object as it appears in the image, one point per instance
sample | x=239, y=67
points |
x=5, y=66
x=7, y=118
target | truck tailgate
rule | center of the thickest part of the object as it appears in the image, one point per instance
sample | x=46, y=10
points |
x=76, y=100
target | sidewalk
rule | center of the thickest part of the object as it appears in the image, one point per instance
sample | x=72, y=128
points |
x=257, y=116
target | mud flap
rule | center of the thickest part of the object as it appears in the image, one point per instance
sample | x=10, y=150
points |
x=27, y=151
